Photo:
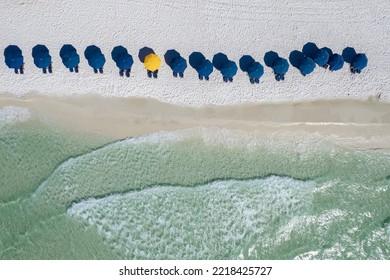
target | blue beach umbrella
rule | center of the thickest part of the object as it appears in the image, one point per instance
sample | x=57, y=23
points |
x=125, y=62
x=196, y=59
x=280, y=66
x=245, y=62
x=122, y=58
x=179, y=65
x=349, y=54
x=255, y=70
x=170, y=56
x=219, y=60
x=42, y=58
x=13, y=57
x=310, y=49
x=205, y=68
x=336, y=62
x=95, y=57
x=321, y=57
x=117, y=52
x=69, y=56
x=328, y=50
x=307, y=65
x=270, y=58
x=360, y=61
x=229, y=69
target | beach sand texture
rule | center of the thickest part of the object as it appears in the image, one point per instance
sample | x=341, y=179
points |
x=233, y=27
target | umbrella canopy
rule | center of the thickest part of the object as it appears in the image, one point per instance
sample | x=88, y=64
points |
x=179, y=65
x=196, y=59
x=13, y=56
x=310, y=49
x=124, y=62
x=245, y=62
x=144, y=52
x=95, y=57
x=229, y=69
x=219, y=60
x=170, y=56
x=360, y=61
x=117, y=52
x=307, y=65
x=336, y=62
x=69, y=56
x=206, y=68
x=349, y=54
x=152, y=62
x=280, y=66
x=122, y=58
x=255, y=70
x=321, y=57
x=270, y=58
x=42, y=58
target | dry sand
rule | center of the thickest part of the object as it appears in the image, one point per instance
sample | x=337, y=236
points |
x=364, y=124
x=233, y=27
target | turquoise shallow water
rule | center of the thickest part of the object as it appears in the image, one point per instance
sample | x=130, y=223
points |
x=194, y=194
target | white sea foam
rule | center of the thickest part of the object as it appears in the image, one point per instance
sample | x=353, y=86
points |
x=12, y=114
x=298, y=142
x=208, y=221
x=162, y=149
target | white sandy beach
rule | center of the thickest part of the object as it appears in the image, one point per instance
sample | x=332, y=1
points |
x=234, y=27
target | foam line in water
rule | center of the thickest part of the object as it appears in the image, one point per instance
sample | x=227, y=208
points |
x=216, y=220
x=12, y=114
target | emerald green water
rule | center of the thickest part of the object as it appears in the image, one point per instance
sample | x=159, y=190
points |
x=195, y=194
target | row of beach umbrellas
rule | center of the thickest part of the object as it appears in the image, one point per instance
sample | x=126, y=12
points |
x=305, y=60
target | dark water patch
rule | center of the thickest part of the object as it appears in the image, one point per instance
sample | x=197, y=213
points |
x=386, y=222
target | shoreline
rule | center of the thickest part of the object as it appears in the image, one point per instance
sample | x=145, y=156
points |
x=357, y=124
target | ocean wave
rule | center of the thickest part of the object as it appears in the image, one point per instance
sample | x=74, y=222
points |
x=270, y=218
x=213, y=221
x=191, y=161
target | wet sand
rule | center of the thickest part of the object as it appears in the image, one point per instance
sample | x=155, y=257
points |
x=364, y=124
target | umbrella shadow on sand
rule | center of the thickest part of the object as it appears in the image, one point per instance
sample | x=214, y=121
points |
x=145, y=51
x=349, y=54
x=270, y=58
x=296, y=58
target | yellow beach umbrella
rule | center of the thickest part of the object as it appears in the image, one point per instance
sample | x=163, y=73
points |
x=152, y=62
